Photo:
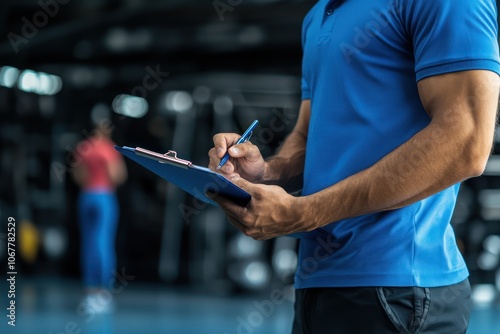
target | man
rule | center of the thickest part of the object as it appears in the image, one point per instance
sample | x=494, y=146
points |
x=399, y=106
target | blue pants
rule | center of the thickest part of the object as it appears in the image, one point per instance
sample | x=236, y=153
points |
x=98, y=212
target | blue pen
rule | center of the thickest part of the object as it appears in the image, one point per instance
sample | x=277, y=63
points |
x=244, y=138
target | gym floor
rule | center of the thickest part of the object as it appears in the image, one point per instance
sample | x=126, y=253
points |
x=51, y=306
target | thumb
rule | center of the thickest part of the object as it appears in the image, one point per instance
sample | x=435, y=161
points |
x=242, y=183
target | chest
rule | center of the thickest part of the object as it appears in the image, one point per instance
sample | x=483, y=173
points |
x=352, y=32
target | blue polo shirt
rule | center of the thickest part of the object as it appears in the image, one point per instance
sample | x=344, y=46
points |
x=361, y=64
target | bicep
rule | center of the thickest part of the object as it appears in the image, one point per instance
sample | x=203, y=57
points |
x=469, y=96
x=463, y=107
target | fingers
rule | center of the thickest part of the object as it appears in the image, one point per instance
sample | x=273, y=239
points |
x=228, y=206
x=228, y=167
x=222, y=141
x=247, y=150
x=236, y=223
x=215, y=160
x=243, y=184
x=246, y=230
x=242, y=217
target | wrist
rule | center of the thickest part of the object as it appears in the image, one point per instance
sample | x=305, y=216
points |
x=303, y=212
x=272, y=172
x=267, y=173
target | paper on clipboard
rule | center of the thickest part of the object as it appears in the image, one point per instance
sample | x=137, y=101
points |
x=195, y=180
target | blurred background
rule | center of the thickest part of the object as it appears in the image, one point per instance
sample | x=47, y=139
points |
x=168, y=74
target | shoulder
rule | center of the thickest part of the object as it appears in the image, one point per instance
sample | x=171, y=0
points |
x=462, y=15
x=310, y=15
x=467, y=6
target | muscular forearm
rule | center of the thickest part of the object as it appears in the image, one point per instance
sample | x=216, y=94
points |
x=288, y=162
x=426, y=164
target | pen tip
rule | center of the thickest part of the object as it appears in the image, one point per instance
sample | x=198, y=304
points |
x=218, y=167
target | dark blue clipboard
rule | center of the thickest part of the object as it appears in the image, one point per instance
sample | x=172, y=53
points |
x=193, y=179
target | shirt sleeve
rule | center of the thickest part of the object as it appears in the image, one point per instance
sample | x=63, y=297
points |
x=306, y=93
x=452, y=35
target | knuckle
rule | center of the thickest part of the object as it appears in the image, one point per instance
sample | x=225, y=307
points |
x=245, y=219
x=241, y=148
x=249, y=146
x=253, y=149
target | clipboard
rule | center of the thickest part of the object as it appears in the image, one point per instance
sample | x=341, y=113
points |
x=195, y=180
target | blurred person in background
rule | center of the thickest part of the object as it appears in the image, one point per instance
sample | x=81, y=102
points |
x=100, y=169
x=399, y=106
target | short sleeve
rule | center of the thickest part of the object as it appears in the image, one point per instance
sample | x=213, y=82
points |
x=306, y=92
x=452, y=35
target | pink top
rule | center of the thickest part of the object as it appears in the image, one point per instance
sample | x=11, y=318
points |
x=96, y=154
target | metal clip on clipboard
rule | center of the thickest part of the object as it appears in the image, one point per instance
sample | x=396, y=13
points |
x=191, y=178
x=169, y=158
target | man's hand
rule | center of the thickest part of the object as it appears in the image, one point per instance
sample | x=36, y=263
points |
x=272, y=212
x=246, y=161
